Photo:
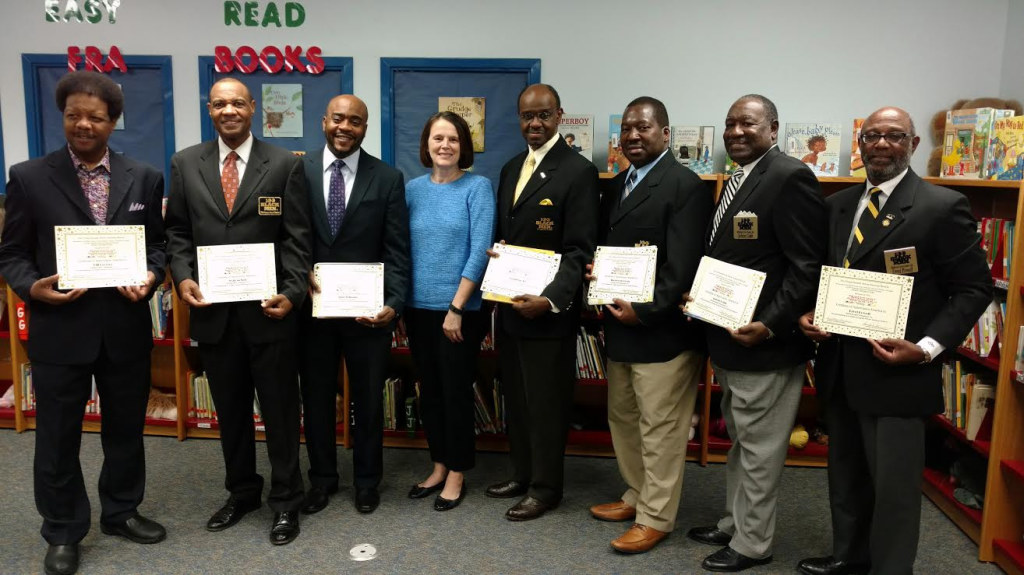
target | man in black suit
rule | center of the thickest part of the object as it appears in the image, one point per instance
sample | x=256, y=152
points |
x=654, y=356
x=547, y=199
x=771, y=218
x=878, y=393
x=239, y=190
x=366, y=220
x=82, y=334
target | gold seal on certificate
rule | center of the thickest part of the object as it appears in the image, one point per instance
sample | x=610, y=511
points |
x=100, y=256
x=236, y=272
x=625, y=273
x=348, y=289
x=518, y=271
x=724, y=294
x=863, y=304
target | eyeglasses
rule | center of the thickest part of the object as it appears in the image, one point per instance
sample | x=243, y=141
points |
x=544, y=116
x=893, y=138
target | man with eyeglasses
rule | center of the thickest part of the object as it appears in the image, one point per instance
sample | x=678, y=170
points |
x=547, y=199
x=877, y=394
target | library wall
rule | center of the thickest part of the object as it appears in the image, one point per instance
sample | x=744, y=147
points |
x=827, y=61
x=1013, y=53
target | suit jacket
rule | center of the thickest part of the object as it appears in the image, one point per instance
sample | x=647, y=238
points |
x=375, y=228
x=45, y=192
x=557, y=211
x=670, y=209
x=952, y=287
x=789, y=248
x=197, y=215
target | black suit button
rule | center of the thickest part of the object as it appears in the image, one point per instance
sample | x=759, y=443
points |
x=230, y=224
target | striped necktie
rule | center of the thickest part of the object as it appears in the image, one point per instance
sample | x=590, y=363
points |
x=730, y=192
x=867, y=218
x=630, y=184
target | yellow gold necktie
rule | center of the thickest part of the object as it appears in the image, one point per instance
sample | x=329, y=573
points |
x=869, y=215
x=524, y=176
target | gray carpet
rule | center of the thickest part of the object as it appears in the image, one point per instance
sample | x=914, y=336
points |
x=185, y=486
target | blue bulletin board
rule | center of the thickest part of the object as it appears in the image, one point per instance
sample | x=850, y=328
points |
x=316, y=91
x=409, y=91
x=148, y=117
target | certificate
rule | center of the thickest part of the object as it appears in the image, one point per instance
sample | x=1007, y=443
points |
x=348, y=290
x=863, y=304
x=518, y=271
x=623, y=273
x=100, y=256
x=236, y=272
x=724, y=294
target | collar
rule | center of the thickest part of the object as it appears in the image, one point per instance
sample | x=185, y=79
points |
x=887, y=186
x=539, y=153
x=748, y=168
x=243, y=150
x=641, y=172
x=351, y=160
x=80, y=164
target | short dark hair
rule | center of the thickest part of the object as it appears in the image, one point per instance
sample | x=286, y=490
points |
x=770, y=111
x=660, y=112
x=93, y=84
x=465, y=139
x=549, y=87
x=816, y=138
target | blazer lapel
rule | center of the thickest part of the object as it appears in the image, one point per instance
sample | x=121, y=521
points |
x=315, y=175
x=254, y=172
x=209, y=169
x=542, y=173
x=842, y=227
x=747, y=187
x=65, y=179
x=641, y=192
x=901, y=200
x=364, y=176
x=507, y=189
x=121, y=180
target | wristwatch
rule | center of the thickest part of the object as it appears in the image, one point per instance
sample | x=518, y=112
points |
x=454, y=310
x=927, y=356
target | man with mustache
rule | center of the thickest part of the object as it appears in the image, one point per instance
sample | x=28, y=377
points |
x=547, y=199
x=771, y=218
x=359, y=214
x=878, y=394
x=239, y=190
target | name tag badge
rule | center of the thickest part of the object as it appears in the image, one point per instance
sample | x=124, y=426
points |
x=270, y=206
x=901, y=261
x=545, y=225
x=744, y=226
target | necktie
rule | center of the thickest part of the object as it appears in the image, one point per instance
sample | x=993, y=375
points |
x=524, y=176
x=630, y=184
x=336, y=198
x=229, y=180
x=867, y=218
x=723, y=204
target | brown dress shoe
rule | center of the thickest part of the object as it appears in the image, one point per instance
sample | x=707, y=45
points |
x=618, y=511
x=639, y=539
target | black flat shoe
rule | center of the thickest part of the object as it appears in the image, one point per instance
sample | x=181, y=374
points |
x=285, y=528
x=61, y=559
x=728, y=560
x=831, y=566
x=419, y=492
x=709, y=536
x=136, y=528
x=442, y=504
x=316, y=500
x=506, y=489
x=367, y=499
x=231, y=513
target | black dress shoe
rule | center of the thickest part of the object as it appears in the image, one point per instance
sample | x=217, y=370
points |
x=831, y=566
x=506, y=489
x=442, y=504
x=729, y=560
x=367, y=499
x=709, y=535
x=136, y=528
x=528, y=508
x=316, y=500
x=61, y=559
x=285, y=528
x=231, y=513
x=419, y=492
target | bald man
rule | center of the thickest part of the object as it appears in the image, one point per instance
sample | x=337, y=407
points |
x=878, y=394
x=359, y=215
x=239, y=190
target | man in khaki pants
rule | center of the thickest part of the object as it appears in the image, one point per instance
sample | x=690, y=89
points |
x=654, y=355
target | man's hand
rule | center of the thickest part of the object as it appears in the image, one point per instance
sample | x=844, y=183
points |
x=686, y=301
x=45, y=290
x=531, y=306
x=751, y=334
x=897, y=351
x=493, y=253
x=314, y=287
x=383, y=318
x=589, y=275
x=813, y=332
x=139, y=292
x=277, y=307
x=188, y=291
x=623, y=311
x=452, y=327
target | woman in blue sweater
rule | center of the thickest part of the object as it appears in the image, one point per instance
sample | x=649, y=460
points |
x=451, y=224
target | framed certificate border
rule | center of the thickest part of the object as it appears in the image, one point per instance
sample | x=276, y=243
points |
x=899, y=288
x=65, y=234
x=757, y=284
x=487, y=286
x=376, y=270
x=597, y=296
x=269, y=282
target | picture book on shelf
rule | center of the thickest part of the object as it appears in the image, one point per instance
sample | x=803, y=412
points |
x=816, y=145
x=694, y=147
x=856, y=162
x=965, y=141
x=578, y=132
x=617, y=162
x=1005, y=155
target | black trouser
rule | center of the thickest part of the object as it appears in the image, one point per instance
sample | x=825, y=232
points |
x=61, y=395
x=446, y=371
x=237, y=368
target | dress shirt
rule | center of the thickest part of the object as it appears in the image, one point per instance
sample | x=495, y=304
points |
x=348, y=170
x=243, y=150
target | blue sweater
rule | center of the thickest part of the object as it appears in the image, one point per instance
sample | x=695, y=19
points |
x=451, y=226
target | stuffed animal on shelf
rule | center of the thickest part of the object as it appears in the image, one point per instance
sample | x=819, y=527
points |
x=799, y=436
x=938, y=125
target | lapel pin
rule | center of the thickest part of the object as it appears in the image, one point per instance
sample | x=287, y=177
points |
x=543, y=175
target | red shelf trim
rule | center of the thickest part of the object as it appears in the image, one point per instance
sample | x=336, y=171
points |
x=980, y=445
x=591, y=381
x=6, y=413
x=941, y=482
x=1014, y=550
x=989, y=362
x=1015, y=468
